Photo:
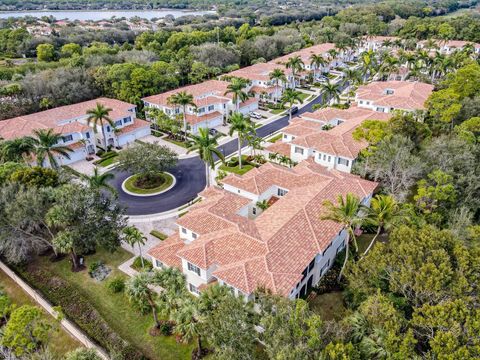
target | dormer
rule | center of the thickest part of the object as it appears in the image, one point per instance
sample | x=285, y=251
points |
x=389, y=91
x=187, y=235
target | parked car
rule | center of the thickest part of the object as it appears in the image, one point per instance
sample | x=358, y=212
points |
x=294, y=109
x=213, y=131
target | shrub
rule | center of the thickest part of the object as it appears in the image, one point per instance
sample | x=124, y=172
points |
x=79, y=310
x=158, y=234
x=117, y=285
x=166, y=327
x=137, y=264
x=36, y=176
x=100, y=153
x=109, y=154
x=94, y=266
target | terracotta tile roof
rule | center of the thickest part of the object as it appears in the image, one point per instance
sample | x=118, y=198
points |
x=166, y=252
x=339, y=140
x=279, y=147
x=406, y=95
x=379, y=39
x=210, y=88
x=195, y=119
x=289, y=234
x=306, y=53
x=249, y=101
x=77, y=145
x=137, y=124
x=259, y=72
x=262, y=89
x=58, y=118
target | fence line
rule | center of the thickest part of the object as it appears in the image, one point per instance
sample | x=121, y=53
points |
x=68, y=325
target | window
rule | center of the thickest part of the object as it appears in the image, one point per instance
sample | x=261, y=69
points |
x=361, y=101
x=329, y=157
x=158, y=263
x=254, y=211
x=211, y=107
x=193, y=289
x=311, y=265
x=324, y=157
x=87, y=135
x=67, y=138
x=389, y=91
x=194, y=235
x=343, y=161
x=340, y=247
x=118, y=123
x=326, y=249
x=184, y=231
x=127, y=120
x=108, y=128
x=285, y=136
x=282, y=192
x=325, y=268
x=194, y=269
x=201, y=110
x=298, y=150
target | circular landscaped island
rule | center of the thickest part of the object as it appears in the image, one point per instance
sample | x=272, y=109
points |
x=139, y=185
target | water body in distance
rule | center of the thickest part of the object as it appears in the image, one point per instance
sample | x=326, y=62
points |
x=101, y=15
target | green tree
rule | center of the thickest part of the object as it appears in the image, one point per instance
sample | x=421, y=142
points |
x=70, y=50
x=277, y=75
x=291, y=97
x=98, y=181
x=45, y=52
x=317, y=61
x=384, y=213
x=183, y=99
x=349, y=213
x=243, y=127
x=26, y=330
x=147, y=160
x=46, y=147
x=138, y=290
x=330, y=91
x=189, y=322
x=237, y=89
x=296, y=64
x=98, y=117
x=17, y=150
x=133, y=236
x=207, y=150
x=36, y=177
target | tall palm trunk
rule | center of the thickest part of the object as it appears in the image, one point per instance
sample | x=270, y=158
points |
x=184, y=123
x=154, y=311
x=141, y=256
x=104, y=137
x=239, y=151
x=379, y=230
x=347, y=250
x=73, y=255
x=207, y=173
x=199, y=346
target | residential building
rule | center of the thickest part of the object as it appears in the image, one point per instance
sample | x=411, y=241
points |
x=375, y=43
x=71, y=122
x=387, y=96
x=450, y=46
x=227, y=239
x=212, y=104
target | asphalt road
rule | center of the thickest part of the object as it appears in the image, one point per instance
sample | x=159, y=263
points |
x=190, y=175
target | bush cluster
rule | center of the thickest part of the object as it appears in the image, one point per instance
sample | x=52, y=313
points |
x=77, y=308
x=116, y=285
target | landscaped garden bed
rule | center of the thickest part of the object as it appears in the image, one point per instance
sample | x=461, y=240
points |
x=158, y=234
x=148, y=185
x=233, y=166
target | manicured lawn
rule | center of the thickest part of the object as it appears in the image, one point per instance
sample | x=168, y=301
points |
x=130, y=185
x=108, y=161
x=303, y=96
x=176, y=142
x=277, y=111
x=329, y=306
x=245, y=168
x=116, y=309
x=275, y=138
x=60, y=342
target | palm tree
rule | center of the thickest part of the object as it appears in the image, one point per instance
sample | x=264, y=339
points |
x=331, y=91
x=352, y=77
x=183, y=99
x=317, y=61
x=17, y=149
x=384, y=213
x=349, y=213
x=98, y=181
x=277, y=75
x=255, y=143
x=236, y=88
x=284, y=159
x=138, y=290
x=188, y=322
x=174, y=286
x=132, y=237
x=296, y=64
x=290, y=97
x=263, y=205
x=367, y=59
x=207, y=149
x=390, y=65
x=273, y=156
x=45, y=142
x=243, y=127
x=97, y=117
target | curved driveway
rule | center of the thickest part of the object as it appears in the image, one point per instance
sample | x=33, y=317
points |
x=190, y=175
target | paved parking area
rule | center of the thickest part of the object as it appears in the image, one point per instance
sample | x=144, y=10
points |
x=84, y=166
x=151, y=139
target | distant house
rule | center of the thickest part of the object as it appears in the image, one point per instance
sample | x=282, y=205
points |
x=450, y=46
x=71, y=122
x=227, y=239
x=386, y=96
x=212, y=104
x=374, y=43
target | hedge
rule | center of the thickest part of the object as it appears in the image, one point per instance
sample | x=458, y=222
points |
x=77, y=308
x=158, y=234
